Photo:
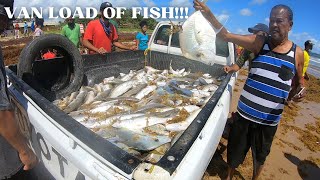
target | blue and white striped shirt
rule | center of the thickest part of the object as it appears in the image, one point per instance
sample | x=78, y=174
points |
x=267, y=87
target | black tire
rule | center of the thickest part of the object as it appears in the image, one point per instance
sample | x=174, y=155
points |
x=68, y=83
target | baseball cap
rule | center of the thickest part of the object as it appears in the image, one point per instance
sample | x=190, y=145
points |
x=308, y=43
x=259, y=27
x=105, y=5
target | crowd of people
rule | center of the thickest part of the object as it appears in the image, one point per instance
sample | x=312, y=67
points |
x=101, y=35
x=277, y=69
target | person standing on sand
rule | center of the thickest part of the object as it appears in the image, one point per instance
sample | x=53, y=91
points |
x=37, y=32
x=246, y=55
x=269, y=81
x=16, y=31
x=25, y=29
x=100, y=34
x=16, y=158
x=142, y=37
x=72, y=32
x=308, y=45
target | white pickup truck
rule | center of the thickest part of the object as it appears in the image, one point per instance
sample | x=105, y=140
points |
x=69, y=150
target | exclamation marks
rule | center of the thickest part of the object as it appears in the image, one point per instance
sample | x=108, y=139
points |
x=181, y=13
x=186, y=10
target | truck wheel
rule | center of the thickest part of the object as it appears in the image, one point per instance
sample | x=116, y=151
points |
x=53, y=78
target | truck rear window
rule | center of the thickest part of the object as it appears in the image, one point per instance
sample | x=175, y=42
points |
x=163, y=36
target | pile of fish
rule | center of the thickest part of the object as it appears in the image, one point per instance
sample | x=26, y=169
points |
x=142, y=111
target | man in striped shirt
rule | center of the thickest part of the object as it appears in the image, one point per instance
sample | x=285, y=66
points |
x=269, y=81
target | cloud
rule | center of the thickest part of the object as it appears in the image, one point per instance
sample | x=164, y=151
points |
x=241, y=31
x=181, y=3
x=245, y=12
x=300, y=38
x=267, y=20
x=223, y=17
x=149, y=3
x=259, y=2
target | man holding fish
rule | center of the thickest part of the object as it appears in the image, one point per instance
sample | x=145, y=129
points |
x=262, y=100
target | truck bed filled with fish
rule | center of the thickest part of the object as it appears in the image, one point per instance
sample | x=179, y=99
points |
x=141, y=104
x=142, y=108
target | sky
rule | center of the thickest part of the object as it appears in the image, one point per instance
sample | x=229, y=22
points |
x=237, y=15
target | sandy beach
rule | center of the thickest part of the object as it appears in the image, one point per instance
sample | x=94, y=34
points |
x=295, y=153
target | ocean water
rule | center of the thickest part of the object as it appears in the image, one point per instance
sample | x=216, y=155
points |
x=314, y=66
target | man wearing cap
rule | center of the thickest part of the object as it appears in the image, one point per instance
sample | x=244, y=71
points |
x=72, y=31
x=101, y=34
x=308, y=45
x=266, y=89
x=15, y=154
x=259, y=29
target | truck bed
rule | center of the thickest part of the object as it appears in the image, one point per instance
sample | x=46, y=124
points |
x=98, y=67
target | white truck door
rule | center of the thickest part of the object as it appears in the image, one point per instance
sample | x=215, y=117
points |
x=174, y=46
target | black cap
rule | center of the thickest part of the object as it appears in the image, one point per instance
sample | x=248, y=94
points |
x=259, y=27
x=105, y=5
x=308, y=43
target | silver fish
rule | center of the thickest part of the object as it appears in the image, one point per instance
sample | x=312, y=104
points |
x=189, y=108
x=72, y=97
x=102, y=107
x=108, y=80
x=151, y=70
x=117, y=118
x=107, y=132
x=141, y=122
x=79, y=117
x=200, y=93
x=144, y=92
x=121, y=89
x=135, y=90
x=143, y=142
x=158, y=129
x=97, y=88
x=128, y=77
x=89, y=98
x=148, y=107
x=181, y=126
x=103, y=95
x=117, y=141
x=106, y=87
x=76, y=103
x=210, y=88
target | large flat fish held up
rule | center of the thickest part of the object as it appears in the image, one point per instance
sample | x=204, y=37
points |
x=197, y=40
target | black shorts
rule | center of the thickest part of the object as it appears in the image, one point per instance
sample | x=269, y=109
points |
x=245, y=134
x=21, y=175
